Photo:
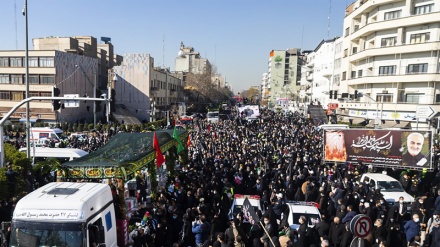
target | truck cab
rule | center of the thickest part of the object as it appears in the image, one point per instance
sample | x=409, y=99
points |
x=65, y=214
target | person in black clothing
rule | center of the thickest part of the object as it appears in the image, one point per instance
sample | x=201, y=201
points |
x=323, y=227
x=302, y=231
x=405, y=180
x=380, y=233
x=336, y=232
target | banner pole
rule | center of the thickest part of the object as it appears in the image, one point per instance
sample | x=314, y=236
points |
x=265, y=231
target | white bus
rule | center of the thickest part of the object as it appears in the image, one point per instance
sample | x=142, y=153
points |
x=62, y=154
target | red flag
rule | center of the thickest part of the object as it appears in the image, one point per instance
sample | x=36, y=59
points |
x=159, y=156
x=209, y=128
x=189, y=141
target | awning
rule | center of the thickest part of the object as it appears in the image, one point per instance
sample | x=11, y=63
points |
x=358, y=120
x=390, y=124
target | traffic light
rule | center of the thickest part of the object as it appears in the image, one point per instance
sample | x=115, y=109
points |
x=331, y=94
x=355, y=94
x=335, y=95
x=56, y=104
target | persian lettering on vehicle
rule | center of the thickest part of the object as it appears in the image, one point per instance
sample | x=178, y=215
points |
x=411, y=149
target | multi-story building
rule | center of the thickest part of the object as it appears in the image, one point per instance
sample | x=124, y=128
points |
x=265, y=87
x=284, y=73
x=143, y=90
x=320, y=74
x=391, y=53
x=190, y=61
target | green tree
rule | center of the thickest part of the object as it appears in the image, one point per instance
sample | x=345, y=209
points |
x=22, y=165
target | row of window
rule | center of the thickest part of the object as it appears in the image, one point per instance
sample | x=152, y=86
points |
x=421, y=68
x=33, y=79
x=20, y=95
x=417, y=38
x=162, y=85
x=21, y=61
x=404, y=98
x=391, y=15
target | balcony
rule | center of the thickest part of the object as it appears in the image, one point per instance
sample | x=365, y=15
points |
x=396, y=23
x=391, y=50
x=394, y=78
x=153, y=89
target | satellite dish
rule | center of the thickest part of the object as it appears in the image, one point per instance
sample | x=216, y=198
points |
x=181, y=53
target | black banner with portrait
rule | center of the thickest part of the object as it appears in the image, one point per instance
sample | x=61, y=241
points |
x=249, y=213
x=406, y=149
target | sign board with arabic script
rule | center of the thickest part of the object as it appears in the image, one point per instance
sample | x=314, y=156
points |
x=406, y=149
x=45, y=214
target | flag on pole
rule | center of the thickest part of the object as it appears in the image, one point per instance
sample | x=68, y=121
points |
x=180, y=146
x=159, y=156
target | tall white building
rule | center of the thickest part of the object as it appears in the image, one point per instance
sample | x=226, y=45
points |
x=320, y=73
x=391, y=53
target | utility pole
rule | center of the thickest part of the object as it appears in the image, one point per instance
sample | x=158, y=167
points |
x=28, y=123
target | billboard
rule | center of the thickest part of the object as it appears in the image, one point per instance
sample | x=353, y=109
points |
x=406, y=149
x=250, y=111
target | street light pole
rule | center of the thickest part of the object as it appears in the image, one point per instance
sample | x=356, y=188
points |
x=94, y=102
x=28, y=123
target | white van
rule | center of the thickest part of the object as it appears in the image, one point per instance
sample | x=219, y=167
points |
x=49, y=133
x=390, y=188
x=65, y=214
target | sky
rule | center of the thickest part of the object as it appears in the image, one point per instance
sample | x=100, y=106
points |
x=235, y=35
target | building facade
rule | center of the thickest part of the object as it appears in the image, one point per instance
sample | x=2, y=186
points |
x=282, y=85
x=71, y=73
x=318, y=81
x=391, y=51
x=143, y=90
x=190, y=61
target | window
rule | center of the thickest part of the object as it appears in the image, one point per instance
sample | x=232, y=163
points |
x=33, y=61
x=17, y=95
x=47, y=79
x=413, y=97
x=33, y=79
x=338, y=63
x=384, y=98
x=4, y=62
x=43, y=94
x=360, y=73
x=337, y=80
x=353, y=74
x=345, y=52
x=419, y=38
x=338, y=47
x=4, y=79
x=33, y=94
x=391, y=41
x=355, y=50
x=417, y=68
x=344, y=76
x=46, y=62
x=392, y=15
x=347, y=31
x=423, y=9
x=387, y=70
x=17, y=79
x=16, y=62
x=5, y=95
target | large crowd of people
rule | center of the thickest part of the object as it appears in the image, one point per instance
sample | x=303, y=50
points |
x=279, y=158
